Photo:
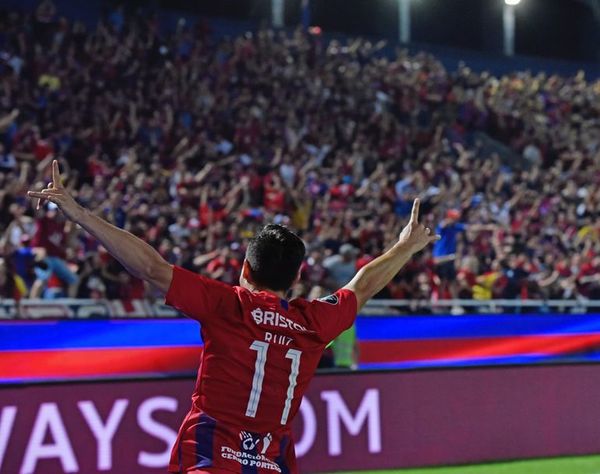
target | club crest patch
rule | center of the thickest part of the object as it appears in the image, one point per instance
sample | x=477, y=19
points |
x=331, y=299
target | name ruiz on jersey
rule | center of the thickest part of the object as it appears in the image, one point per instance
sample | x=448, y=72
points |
x=272, y=318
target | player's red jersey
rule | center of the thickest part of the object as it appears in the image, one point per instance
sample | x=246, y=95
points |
x=260, y=353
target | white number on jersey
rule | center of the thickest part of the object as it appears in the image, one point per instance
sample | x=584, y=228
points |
x=262, y=348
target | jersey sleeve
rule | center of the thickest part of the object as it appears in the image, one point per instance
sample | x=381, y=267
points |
x=333, y=314
x=197, y=296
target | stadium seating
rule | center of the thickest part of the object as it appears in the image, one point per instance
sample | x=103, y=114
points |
x=193, y=141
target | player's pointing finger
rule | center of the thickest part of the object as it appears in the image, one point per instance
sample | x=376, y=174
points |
x=56, y=174
x=414, y=215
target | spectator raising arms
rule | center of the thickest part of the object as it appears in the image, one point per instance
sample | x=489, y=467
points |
x=160, y=130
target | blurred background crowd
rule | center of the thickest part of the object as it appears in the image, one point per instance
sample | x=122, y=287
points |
x=193, y=142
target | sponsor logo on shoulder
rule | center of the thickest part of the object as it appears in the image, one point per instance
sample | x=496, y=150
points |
x=331, y=299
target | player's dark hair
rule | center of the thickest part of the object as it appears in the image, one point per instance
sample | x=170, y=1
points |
x=274, y=256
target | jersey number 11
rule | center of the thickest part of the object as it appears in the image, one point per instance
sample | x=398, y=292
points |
x=261, y=348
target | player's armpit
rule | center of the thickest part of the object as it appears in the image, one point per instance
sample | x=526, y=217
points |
x=161, y=275
x=360, y=294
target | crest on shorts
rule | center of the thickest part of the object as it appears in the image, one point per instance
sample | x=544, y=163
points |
x=331, y=299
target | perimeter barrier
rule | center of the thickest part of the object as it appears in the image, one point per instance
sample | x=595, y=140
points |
x=352, y=421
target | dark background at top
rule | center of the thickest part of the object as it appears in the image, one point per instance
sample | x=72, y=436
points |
x=552, y=28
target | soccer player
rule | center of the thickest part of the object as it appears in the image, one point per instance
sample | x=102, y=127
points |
x=260, y=350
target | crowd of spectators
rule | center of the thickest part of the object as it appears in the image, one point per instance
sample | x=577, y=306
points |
x=193, y=142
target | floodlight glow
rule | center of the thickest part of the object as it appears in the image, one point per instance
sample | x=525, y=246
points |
x=512, y=2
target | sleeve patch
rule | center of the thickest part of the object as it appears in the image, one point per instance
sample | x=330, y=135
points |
x=331, y=299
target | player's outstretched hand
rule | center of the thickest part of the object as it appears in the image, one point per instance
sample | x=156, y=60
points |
x=416, y=235
x=56, y=193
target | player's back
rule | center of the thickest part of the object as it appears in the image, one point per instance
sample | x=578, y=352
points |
x=260, y=353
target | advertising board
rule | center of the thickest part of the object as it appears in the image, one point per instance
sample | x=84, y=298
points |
x=346, y=422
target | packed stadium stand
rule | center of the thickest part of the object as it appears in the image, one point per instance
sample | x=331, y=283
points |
x=194, y=141
x=193, y=132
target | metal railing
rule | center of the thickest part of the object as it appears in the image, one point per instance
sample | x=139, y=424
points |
x=460, y=306
x=85, y=308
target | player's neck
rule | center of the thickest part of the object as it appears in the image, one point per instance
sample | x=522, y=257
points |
x=258, y=289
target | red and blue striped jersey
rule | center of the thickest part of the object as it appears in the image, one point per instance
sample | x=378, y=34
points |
x=260, y=352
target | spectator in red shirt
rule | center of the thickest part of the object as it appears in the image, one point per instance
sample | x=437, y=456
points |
x=588, y=280
x=226, y=267
x=274, y=194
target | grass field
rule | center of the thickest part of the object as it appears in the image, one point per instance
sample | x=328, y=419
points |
x=570, y=465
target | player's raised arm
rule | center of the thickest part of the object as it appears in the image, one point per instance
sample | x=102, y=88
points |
x=139, y=258
x=374, y=276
